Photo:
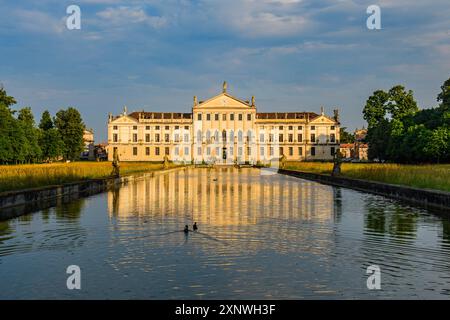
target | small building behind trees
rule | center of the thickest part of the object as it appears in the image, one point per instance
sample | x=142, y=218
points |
x=89, y=148
x=358, y=149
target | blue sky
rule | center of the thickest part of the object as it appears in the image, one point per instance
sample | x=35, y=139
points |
x=156, y=55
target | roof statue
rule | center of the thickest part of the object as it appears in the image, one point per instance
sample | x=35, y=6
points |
x=125, y=110
x=322, y=112
x=336, y=115
x=253, y=101
x=225, y=85
x=195, y=101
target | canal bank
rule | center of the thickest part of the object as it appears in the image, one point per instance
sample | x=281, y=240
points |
x=16, y=203
x=433, y=199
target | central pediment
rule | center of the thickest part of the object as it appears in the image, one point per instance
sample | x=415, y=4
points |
x=223, y=100
x=125, y=119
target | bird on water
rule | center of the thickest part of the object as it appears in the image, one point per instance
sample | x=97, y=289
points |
x=186, y=229
x=194, y=227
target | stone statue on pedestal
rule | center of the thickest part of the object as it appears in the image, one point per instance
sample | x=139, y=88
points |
x=337, y=164
x=336, y=115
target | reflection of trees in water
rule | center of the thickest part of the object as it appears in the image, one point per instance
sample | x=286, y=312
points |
x=375, y=219
x=384, y=217
x=5, y=231
x=70, y=210
x=25, y=218
x=45, y=213
x=403, y=222
x=29, y=238
x=446, y=229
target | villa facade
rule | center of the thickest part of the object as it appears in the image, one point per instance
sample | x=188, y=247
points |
x=223, y=129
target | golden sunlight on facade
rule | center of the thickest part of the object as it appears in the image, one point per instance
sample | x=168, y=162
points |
x=223, y=130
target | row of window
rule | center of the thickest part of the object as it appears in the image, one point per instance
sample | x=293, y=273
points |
x=240, y=117
x=312, y=128
x=156, y=127
x=262, y=151
x=177, y=137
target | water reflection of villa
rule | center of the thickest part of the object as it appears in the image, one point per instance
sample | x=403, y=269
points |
x=222, y=197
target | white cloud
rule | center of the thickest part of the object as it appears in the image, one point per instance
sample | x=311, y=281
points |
x=409, y=4
x=269, y=24
x=261, y=18
x=124, y=15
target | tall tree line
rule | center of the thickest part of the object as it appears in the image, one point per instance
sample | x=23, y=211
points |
x=399, y=132
x=22, y=141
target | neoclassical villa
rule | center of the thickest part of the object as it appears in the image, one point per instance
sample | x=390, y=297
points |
x=223, y=130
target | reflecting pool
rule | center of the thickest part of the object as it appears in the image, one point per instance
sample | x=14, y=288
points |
x=260, y=237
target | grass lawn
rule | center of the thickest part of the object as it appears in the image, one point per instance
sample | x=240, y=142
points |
x=16, y=177
x=420, y=176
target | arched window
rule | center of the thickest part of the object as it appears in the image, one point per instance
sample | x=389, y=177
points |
x=208, y=136
x=224, y=136
x=240, y=136
x=249, y=136
x=231, y=136
x=216, y=136
x=199, y=136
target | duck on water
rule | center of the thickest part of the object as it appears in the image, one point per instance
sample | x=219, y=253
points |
x=194, y=228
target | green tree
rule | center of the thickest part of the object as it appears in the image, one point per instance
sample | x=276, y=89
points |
x=345, y=136
x=6, y=119
x=12, y=137
x=71, y=128
x=46, y=121
x=389, y=114
x=438, y=145
x=444, y=95
x=8, y=101
x=375, y=114
x=31, y=147
x=414, y=141
x=394, y=140
x=378, y=139
x=375, y=108
x=50, y=140
x=401, y=103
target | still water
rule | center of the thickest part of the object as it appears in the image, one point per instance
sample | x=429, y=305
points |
x=260, y=237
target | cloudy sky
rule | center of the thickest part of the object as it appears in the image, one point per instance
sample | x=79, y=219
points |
x=155, y=55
